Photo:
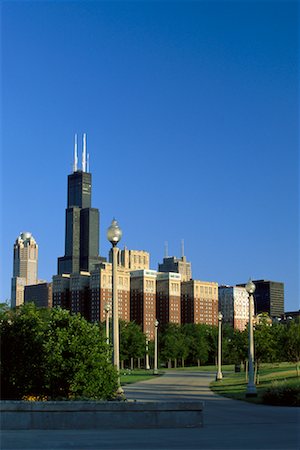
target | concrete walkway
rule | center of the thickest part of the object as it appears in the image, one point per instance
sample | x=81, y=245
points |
x=228, y=424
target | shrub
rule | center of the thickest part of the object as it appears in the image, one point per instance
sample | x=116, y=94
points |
x=284, y=393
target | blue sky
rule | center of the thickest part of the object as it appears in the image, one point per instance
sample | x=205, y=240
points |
x=191, y=111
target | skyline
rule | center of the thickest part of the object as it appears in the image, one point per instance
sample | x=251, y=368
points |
x=191, y=118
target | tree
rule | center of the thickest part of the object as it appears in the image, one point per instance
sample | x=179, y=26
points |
x=53, y=354
x=168, y=343
x=77, y=358
x=292, y=343
x=212, y=336
x=196, y=338
x=23, y=359
x=132, y=342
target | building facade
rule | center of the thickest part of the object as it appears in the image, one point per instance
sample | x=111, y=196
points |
x=79, y=294
x=25, y=267
x=268, y=297
x=101, y=292
x=168, y=298
x=40, y=294
x=61, y=291
x=177, y=265
x=199, y=302
x=82, y=222
x=143, y=300
x=133, y=259
x=234, y=305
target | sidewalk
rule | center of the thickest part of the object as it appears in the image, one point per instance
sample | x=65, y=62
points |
x=228, y=424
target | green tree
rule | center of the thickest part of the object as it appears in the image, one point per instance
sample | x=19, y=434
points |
x=168, y=343
x=197, y=341
x=132, y=342
x=77, y=358
x=54, y=354
x=23, y=359
x=212, y=336
x=292, y=343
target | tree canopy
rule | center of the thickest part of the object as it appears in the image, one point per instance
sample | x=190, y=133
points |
x=53, y=354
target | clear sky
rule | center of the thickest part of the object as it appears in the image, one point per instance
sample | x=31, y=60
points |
x=191, y=111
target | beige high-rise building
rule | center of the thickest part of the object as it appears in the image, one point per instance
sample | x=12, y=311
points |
x=25, y=267
x=101, y=292
x=199, y=302
x=168, y=292
x=143, y=300
x=234, y=305
x=132, y=259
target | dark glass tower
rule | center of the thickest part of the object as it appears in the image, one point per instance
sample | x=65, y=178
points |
x=82, y=225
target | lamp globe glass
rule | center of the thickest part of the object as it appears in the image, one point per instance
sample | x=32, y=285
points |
x=114, y=232
x=250, y=287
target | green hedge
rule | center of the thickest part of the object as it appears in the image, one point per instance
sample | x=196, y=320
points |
x=284, y=393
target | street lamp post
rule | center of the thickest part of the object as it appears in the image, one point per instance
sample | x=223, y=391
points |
x=147, y=354
x=114, y=234
x=251, y=388
x=155, y=371
x=107, y=309
x=219, y=375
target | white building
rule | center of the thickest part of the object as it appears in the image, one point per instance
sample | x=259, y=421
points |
x=234, y=305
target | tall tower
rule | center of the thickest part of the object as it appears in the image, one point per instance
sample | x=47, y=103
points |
x=25, y=266
x=82, y=221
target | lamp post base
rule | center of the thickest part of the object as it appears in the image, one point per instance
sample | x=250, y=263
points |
x=219, y=376
x=120, y=394
x=251, y=391
x=251, y=394
x=155, y=372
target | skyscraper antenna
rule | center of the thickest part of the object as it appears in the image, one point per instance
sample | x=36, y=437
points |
x=84, y=153
x=182, y=248
x=166, y=249
x=75, y=164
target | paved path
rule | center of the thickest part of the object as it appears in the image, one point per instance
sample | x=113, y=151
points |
x=228, y=424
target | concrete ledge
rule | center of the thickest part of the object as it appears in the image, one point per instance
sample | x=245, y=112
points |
x=64, y=415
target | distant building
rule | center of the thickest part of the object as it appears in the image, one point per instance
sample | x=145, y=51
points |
x=290, y=315
x=268, y=297
x=61, y=291
x=199, y=302
x=79, y=294
x=168, y=297
x=234, y=305
x=132, y=259
x=143, y=300
x=71, y=291
x=82, y=221
x=177, y=265
x=40, y=294
x=25, y=267
x=101, y=292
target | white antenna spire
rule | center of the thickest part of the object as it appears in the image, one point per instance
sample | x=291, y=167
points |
x=182, y=248
x=166, y=249
x=88, y=163
x=75, y=155
x=84, y=153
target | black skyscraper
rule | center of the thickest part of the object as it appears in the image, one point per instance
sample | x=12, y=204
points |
x=82, y=223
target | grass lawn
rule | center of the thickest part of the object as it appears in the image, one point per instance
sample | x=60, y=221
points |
x=128, y=376
x=213, y=368
x=132, y=376
x=234, y=385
